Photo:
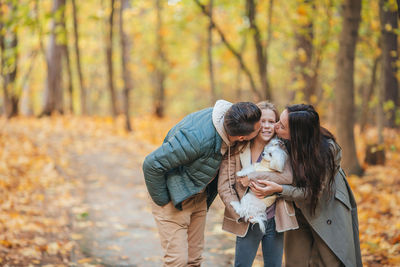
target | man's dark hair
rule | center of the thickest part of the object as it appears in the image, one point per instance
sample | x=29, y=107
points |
x=240, y=118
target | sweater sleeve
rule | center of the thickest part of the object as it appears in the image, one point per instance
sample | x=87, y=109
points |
x=226, y=189
x=337, y=154
x=293, y=193
x=182, y=148
x=284, y=177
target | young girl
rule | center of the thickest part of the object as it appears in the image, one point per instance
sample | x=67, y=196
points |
x=232, y=188
x=325, y=206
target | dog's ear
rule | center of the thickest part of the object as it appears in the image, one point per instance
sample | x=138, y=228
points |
x=281, y=144
x=278, y=160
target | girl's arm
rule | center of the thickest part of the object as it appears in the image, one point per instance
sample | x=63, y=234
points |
x=226, y=189
x=284, y=177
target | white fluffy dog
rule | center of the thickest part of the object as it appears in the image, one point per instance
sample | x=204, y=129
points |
x=250, y=207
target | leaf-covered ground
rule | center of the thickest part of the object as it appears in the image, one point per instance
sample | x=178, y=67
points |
x=378, y=196
x=44, y=193
x=96, y=166
x=35, y=201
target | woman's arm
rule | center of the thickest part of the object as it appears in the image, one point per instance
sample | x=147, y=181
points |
x=337, y=154
x=263, y=188
x=293, y=193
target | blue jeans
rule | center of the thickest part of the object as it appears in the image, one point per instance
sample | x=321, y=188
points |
x=272, y=246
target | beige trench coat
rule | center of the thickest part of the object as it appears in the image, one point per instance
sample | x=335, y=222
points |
x=230, y=190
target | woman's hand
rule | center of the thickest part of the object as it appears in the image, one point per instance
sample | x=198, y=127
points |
x=244, y=180
x=262, y=188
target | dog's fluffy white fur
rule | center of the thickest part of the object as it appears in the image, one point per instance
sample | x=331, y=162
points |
x=250, y=207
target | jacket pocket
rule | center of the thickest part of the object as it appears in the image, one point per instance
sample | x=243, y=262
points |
x=289, y=208
x=343, y=197
x=231, y=215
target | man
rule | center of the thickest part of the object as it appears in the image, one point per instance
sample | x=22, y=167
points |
x=181, y=174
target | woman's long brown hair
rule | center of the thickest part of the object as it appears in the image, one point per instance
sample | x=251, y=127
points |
x=311, y=157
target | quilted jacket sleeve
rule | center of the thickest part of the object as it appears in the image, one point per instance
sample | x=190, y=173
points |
x=180, y=149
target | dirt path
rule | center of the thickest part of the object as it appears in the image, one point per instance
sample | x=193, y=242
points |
x=124, y=231
x=114, y=226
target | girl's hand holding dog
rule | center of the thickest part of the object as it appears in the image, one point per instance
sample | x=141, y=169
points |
x=263, y=188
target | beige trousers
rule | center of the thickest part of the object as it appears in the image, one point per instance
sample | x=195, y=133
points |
x=182, y=232
x=304, y=248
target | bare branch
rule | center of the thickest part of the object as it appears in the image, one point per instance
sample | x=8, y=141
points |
x=231, y=49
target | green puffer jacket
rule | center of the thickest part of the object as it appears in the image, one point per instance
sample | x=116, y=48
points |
x=186, y=162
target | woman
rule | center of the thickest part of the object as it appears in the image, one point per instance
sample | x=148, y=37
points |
x=325, y=206
x=230, y=188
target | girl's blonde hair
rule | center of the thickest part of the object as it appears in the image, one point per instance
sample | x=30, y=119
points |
x=239, y=147
x=268, y=105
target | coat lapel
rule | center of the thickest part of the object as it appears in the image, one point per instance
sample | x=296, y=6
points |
x=245, y=156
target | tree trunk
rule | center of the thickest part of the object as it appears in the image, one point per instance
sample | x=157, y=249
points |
x=239, y=89
x=54, y=92
x=209, y=54
x=389, y=26
x=344, y=101
x=78, y=59
x=110, y=69
x=319, y=51
x=398, y=8
x=39, y=29
x=6, y=100
x=366, y=96
x=26, y=95
x=9, y=60
x=69, y=79
x=261, y=58
x=67, y=62
x=269, y=39
x=159, y=103
x=304, y=53
x=375, y=153
x=380, y=115
x=126, y=73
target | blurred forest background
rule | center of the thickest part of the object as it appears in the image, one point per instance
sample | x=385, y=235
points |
x=141, y=65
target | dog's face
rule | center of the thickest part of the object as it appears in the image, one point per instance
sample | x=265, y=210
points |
x=275, y=155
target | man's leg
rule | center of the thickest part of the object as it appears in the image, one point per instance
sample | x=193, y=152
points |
x=198, y=204
x=172, y=227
